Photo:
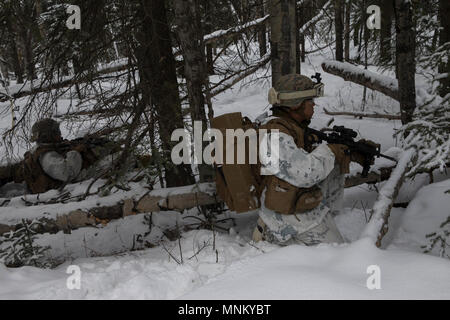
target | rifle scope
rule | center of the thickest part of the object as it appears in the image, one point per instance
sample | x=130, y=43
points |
x=345, y=131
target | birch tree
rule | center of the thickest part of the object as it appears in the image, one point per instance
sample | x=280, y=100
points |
x=190, y=36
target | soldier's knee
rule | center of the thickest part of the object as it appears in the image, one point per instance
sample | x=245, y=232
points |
x=258, y=232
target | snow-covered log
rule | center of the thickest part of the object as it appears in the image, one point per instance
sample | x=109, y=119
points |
x=372, y=80
x=94, y=210
x=68, y=216
x=377, y=227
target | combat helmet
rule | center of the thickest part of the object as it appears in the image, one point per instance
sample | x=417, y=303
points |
x=46, y=131
x=292, y=89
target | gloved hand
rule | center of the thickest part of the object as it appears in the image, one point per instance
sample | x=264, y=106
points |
x=370, y=143
x=312, y=138
x=342, y=157
x=81, y=147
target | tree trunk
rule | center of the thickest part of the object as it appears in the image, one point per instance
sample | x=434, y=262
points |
x=339, y=27
x=4, y=76
x=444, y=37
x=159, y=85
x=189, y=33
x=385, y=33
x=301, y=17
x=283, y=38
x=27, y=43
x=348, y=7
x=297, y=41
x=362, y=31
x=405, y=52
x=38, y=8
x=17, y=66
x=14, y=49
x=355, y=35
x=209, y=46
x=262, y=38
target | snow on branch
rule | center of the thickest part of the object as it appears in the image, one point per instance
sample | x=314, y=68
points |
x=432, y=140
x=372, y=80
x=37, y=86
x=230, y=81
x=316, y=18
x=363, y=115
x=377, y=226
x=430, y=130
x=234, y=30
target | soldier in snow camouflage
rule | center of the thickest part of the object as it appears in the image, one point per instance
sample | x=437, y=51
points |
x=300, y=195
x=54, y=162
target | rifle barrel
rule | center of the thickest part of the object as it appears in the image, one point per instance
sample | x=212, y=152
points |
x=387, y=157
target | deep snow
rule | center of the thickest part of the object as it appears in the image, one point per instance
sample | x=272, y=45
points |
x=229, y=266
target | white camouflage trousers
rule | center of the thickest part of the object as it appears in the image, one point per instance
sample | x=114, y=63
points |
x=308, y=228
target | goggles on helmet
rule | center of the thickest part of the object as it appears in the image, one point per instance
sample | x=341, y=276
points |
x=278, y=97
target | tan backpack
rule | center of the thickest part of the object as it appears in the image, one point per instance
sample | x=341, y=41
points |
x=239, y=185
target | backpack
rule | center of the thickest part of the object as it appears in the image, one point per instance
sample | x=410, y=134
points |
x=33, y=174
x=238, y=185
x=35, y=177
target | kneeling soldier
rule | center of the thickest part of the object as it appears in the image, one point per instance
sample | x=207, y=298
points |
x=300, y=195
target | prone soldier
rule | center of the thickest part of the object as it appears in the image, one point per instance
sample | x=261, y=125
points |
x=54, y=162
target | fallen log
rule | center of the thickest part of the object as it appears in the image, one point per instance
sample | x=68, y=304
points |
x=170, y=199
x=378, y=225
x=91, y=213
x=155, y=201
x=371, y=80
x=363, y=115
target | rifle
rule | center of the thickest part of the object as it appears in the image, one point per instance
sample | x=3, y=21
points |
x=346, y=136
x=91, y=141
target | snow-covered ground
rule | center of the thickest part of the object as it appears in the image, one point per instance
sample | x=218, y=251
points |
x=218, y=265
x=239, y=271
